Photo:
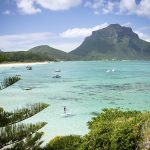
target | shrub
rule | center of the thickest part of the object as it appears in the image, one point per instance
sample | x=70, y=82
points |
x=70, y=142
x=114, y=129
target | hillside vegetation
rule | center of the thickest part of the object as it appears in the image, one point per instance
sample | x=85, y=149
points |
x=39, y=53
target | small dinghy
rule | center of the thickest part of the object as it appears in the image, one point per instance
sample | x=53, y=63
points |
x=57, y=70
x=56, y=76
x=29, y=68
x=108, y=71
x=112, y=70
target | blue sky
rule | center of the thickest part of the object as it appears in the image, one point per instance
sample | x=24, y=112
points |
x=64, y=24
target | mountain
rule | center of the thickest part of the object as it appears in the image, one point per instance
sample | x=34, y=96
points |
x=38, y=53
x=52, y=52
x=113, y=42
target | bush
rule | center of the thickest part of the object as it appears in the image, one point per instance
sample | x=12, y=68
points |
x=70, y=142
x=114, y=129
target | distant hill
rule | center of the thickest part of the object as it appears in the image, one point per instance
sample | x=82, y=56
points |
x=22, y=56
x=52, y=52
x=38, y=53
x=113, y=42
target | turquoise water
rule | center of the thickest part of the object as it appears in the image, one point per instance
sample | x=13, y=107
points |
x=85, y=87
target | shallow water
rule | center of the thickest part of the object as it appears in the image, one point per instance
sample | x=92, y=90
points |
x=86, y=87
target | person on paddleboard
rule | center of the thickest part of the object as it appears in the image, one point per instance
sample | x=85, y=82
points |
x=65, y=109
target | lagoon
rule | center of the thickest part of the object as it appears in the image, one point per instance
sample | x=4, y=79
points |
x=85, y=88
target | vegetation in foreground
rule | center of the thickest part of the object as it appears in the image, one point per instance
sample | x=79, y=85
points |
x=15, y=135
x=9, y=81
x=112, y=129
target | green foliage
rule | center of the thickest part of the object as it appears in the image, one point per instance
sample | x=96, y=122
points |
x=1, y=109
x=15, y=133
x=8, y=118
x=70, y=142
x=115, y=129
x=3, y=57
x=32, y=142
x=9, y=81
x=24, y=57
x=22, y=135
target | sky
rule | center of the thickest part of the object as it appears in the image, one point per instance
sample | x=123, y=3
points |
x=64, y=24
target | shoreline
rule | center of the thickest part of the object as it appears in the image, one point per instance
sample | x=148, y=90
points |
x=18, y=64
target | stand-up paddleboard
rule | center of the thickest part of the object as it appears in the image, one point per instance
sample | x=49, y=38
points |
x=67, y=115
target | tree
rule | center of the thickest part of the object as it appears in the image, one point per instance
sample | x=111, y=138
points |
x=13, y=133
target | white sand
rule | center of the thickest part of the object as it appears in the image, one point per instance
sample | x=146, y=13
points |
x=21, y=64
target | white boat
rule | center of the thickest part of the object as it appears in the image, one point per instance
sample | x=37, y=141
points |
x=113, y=70
x=56, y=76
x=29, y=68
x=57, y=70
x=108, y=71
x=28, y=88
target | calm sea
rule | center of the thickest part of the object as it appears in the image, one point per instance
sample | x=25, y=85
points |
x=85, y=88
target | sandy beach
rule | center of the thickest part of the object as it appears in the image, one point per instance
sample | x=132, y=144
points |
x=21, y=64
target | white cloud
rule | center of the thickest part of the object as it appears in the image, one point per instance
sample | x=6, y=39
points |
x=81, y=32
x=101, y=6
x=32, y=6
x=22, y=41
x=58, y=4
x=126, y=5
x=109, y=8
x=144, y=8
x=141, y=9
x=120, y=7
x=7, y=12
x=143, y=36
x=27, y=7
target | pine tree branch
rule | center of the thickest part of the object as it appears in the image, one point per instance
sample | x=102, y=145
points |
x=18, y=115
x=15, y=133
x=9, y=81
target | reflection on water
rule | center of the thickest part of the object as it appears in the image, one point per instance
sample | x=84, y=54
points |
x=85, y=89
